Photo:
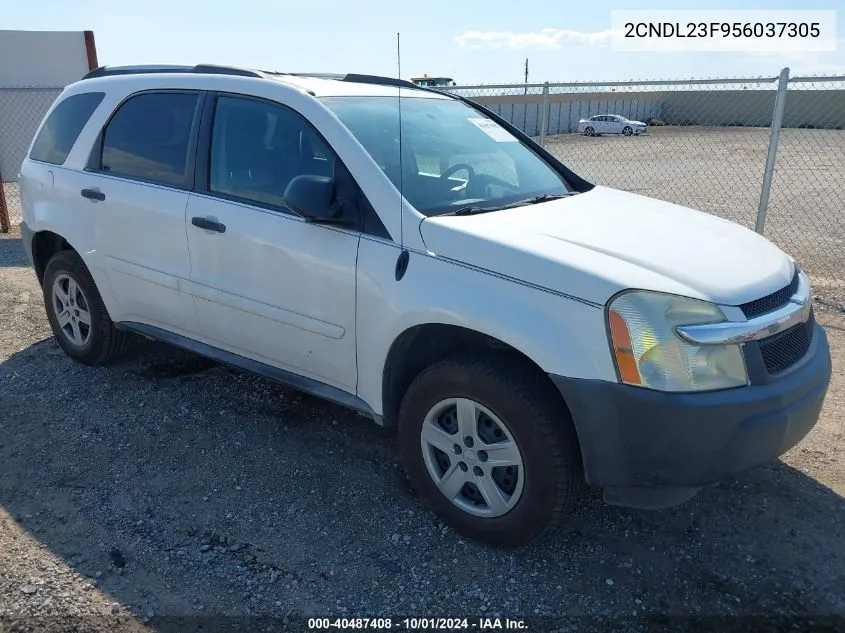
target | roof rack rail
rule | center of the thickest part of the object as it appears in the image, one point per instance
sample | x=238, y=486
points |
x=201, y=69
x=379, y=81
x=336, y=76
x=213, y=69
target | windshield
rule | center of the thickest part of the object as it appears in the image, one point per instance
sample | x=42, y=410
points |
x=453, y=157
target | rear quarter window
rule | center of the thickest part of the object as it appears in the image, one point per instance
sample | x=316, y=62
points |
x=63, y=126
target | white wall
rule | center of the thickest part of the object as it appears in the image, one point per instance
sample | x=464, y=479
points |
x=41, y=58
x=34, y=67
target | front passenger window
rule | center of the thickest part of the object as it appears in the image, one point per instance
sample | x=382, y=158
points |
x=257, y=148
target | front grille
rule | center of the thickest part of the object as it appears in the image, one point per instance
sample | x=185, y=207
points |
x=770, y=302
x=783, y=350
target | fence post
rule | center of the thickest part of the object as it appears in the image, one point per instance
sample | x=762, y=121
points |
x=4, y=210
x=777, y=121
x=544, y=115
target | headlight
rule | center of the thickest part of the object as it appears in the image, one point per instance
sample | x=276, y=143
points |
x=649, y=352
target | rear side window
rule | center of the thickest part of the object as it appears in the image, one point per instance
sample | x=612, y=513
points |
x=63, y=126
x=148, y=137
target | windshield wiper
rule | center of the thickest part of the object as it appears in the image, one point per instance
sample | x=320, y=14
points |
x=474, y=209
x=543, y=197
x=471, y=210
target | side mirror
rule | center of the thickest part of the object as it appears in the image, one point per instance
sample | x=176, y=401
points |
x=312, y=197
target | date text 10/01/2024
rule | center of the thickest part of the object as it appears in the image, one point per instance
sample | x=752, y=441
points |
x=419, y=624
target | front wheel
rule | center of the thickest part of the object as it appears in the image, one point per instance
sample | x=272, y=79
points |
x=627, y=131
x=589, y=131
x=490, y=448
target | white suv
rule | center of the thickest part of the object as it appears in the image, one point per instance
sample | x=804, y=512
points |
x=524, y=329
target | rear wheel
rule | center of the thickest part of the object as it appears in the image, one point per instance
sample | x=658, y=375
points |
x=490, y=448
x=76, y=313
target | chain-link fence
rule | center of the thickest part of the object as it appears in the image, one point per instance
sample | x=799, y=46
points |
x=21, y=111
x=768, y=153
x=806, y=211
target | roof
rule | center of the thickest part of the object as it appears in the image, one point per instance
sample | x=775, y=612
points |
x=318, y=84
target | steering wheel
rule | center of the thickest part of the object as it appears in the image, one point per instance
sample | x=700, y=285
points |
x=457, y=167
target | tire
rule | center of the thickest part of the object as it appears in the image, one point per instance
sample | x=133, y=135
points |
x=534, y=418
x=627, y=131
x=589, y=131
x=94, y=343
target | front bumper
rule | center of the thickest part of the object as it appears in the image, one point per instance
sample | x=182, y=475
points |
x=636, y=438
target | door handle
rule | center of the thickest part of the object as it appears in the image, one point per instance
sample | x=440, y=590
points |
x=93, y=194
x=209, y=224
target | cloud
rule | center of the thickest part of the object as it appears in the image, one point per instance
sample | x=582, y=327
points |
x=548, y=39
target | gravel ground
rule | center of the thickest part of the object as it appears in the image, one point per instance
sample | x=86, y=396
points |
x=166, y=492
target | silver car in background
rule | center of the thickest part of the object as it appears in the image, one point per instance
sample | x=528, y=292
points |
x=610, y=124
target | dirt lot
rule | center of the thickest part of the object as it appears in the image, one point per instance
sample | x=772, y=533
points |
x=172, y=490
x=720, y=170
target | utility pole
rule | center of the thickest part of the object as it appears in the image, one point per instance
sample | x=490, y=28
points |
x=526, y=76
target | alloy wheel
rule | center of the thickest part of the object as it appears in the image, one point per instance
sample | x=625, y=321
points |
x=71, y=309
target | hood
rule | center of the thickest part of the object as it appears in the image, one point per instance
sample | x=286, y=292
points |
x=636, y=122
x=594, y=244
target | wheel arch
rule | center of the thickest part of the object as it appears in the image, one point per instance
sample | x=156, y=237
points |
x=45, y=244
x=422, y=345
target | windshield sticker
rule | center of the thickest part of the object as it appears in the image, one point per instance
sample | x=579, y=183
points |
x=493, y=130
